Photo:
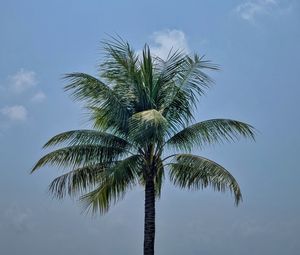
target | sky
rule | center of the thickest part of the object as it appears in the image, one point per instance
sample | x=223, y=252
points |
x=257, y=45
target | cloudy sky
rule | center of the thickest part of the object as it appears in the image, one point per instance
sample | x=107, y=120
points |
x=257, y=44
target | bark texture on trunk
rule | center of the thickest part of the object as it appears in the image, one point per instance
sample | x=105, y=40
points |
x=149, y=227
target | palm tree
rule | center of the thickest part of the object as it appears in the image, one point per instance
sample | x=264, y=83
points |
x=140, y=106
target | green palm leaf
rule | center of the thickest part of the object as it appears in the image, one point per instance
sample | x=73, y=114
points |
x=179, y=112
x=195, y=172
x=120, y=64
x=114, y=183
x=190, y=79
x=167, y=71
x=124, y=70
x=147, y=79
x=95, y=93
x=209, y=132
x=91, y=137
x=180, y=94
x=80, y=155
x=87, y=88
x=77, y=181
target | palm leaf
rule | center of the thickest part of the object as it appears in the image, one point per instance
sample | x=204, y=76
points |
x=166, y=72
x=195, y=172
x=77, y=181
x=123, y=69
x=179, y=112
x=90, y=137
x=114, y=183
x=210, y=131
x=147, y=79
x=80, y=155
x=95, y=93
x=190, y=79
x=179, y=95
x=120, y=64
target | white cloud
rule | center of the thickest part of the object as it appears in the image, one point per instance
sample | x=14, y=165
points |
x=15, y=112
x=38, y=97
x=251, y=9
x=165, y=40
x=23, y=80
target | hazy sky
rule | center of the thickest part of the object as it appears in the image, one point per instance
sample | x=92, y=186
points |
x=257, y=44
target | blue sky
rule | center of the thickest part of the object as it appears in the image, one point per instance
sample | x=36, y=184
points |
x=257, y=45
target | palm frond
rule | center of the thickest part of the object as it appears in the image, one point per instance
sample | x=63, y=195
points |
x=95, y=93
x=179, y=113
x=190, y=79
x=120, y=64
x=124, y=70
x=77, y=181
x=166, y=72
x=147, y=78
x=195, y=172
x=209, y=132
x=85, y=87
x=80, y=155
x=180, y=94
x=88, y=137
x=114, y=183
x=105, y=120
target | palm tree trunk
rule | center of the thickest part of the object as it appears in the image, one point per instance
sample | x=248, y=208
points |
x=149, y=223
